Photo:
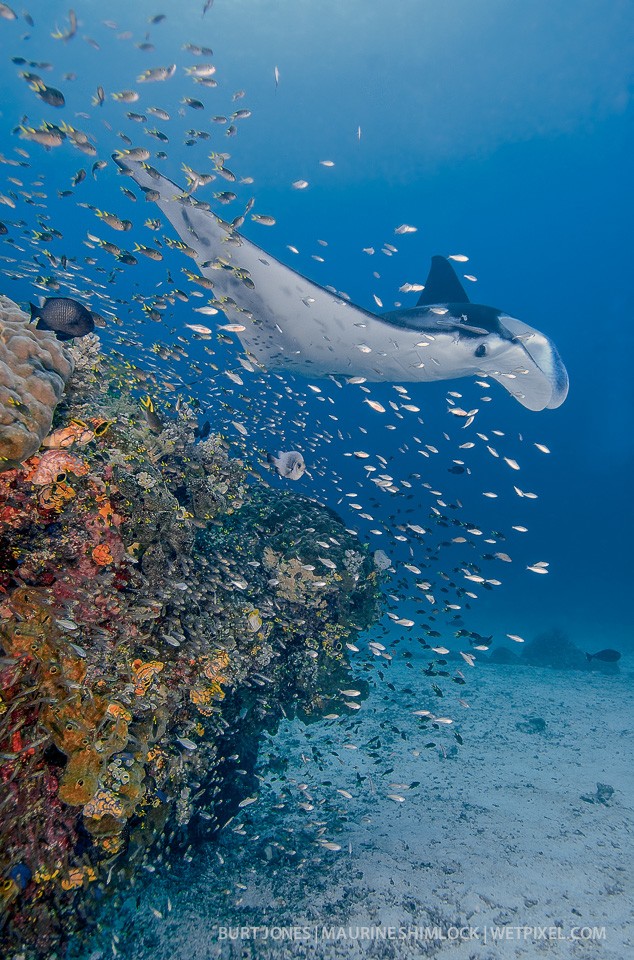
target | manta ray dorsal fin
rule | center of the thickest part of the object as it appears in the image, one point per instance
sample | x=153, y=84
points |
x=442, y=285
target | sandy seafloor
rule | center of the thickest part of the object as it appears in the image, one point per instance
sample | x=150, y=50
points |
x=496, y=834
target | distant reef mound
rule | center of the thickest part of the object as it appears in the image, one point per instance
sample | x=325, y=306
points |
x=551, y=648
x=160, y=608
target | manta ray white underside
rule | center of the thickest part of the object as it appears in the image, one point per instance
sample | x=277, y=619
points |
x=292, y=323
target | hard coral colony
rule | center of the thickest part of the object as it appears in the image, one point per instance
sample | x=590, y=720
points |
x=132, y=636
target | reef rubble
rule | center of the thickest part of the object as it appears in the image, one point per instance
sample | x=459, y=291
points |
x=160, y=608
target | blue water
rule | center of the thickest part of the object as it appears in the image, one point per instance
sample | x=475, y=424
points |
x=501, y=130
x=485, y=127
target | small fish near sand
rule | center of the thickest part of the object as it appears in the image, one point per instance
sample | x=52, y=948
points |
x=607, y=656
x=65, y=317
x=288, y=464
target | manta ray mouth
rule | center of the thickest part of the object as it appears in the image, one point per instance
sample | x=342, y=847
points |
x=543, y=381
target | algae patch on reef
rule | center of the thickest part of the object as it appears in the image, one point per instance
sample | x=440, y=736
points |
x=161, y=607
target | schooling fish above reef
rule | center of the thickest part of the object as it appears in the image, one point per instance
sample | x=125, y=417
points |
x=296, y=324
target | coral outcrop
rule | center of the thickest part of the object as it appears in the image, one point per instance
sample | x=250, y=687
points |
x=160, y=607
x=34, y=368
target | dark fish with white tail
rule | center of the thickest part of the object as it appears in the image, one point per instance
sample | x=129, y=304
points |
x=65, y=317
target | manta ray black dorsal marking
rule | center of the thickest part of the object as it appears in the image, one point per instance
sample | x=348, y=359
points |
x=442, y=285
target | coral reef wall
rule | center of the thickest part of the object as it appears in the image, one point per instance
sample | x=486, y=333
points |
x=160, y=607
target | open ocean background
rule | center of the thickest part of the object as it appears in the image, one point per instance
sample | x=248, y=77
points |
x=501, y=130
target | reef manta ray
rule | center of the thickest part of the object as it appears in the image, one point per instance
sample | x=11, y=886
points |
x=289, y=322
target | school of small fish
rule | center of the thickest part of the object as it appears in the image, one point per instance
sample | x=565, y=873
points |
x=421, y=484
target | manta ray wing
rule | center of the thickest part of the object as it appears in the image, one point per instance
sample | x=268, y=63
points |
x=292, y=323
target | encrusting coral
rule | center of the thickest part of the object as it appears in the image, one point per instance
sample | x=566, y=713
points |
x=160, y=608
x=34, y=368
